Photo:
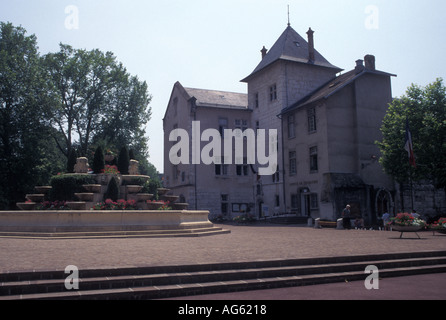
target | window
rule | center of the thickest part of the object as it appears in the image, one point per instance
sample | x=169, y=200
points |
x=222, y=125
x=257, y=100
x=240, y=207
x=175, y=106
x=175, y=172
x=221, y=169
x=293, y=163
x=241, y=124
x=294, y=202
x=242, y=169
x=277, y=200
x=313, y=159
x=259, y=189
x=276, y=175
x=224, y=204
x=291, y=129
x=273, y=93
x=311, y=120
x=314, y=203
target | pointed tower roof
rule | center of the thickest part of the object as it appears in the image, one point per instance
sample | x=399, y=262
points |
x=291, y=47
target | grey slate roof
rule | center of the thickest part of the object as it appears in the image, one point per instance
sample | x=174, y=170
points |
x=218, y=99
x=333, y=86
x=291, y=47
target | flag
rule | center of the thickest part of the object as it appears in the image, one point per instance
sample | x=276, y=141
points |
x=409, y=146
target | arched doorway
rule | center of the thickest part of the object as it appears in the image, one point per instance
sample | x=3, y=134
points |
x=383, y=203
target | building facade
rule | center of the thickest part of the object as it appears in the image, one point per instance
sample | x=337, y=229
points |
x=327, y=123
x=223, y=189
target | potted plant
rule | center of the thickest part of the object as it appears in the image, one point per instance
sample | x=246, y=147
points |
x=439, y=226
x=405, y=222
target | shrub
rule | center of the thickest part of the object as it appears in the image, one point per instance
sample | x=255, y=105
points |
x=132, y=154
x=123, y=161
x=65, y=186
x=98, y=160
x=112, y=190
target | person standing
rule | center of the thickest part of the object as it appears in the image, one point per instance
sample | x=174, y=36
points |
x=386, y=220
x=346, y=217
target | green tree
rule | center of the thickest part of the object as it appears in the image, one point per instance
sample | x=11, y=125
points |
x=26, y=155
x=425, y=110
x=97, y=99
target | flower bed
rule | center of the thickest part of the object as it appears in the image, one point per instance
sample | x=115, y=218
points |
x=116, y=205
x=439, y=226
x=52, y=205
x=110, y=169
x=158, y=205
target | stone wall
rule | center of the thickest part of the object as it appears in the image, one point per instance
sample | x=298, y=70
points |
x=427, y=200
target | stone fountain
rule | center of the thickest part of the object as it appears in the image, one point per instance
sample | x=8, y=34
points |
x=83, y=222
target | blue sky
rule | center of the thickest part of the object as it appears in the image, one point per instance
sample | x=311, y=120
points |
x=214, y=44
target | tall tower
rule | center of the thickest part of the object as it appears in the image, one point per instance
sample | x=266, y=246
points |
x=289, y=71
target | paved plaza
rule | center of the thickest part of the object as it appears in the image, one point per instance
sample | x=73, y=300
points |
x=245, y=243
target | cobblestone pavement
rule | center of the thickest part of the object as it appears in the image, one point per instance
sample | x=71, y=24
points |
x=244, y=243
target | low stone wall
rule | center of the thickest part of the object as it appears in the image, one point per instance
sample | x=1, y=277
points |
x=86, y=221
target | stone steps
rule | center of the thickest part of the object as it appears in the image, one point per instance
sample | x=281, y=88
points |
x=161, y=233
x=172, y=281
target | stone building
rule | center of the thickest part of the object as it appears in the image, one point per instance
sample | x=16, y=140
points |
x=223, y=189
x=327, y=121
x=331, y=157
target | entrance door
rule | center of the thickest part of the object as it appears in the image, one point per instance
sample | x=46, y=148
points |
x=305, y=205
x=383, y=203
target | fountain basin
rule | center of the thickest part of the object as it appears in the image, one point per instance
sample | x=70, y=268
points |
x=94, y=188
x=144, y=196
x=43, y=189
x=170, y=198
x=86, y=220
x=133, y=188
x=36, y=197
x=26, y=205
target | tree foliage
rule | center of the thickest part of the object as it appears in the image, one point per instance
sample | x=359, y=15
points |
x=25, y=153
x=97, y=99
x=425, y=110
x=53, y=104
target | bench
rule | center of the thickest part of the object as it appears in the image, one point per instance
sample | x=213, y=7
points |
x=325, y=224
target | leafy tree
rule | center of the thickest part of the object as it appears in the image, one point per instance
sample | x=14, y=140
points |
x=26, y=155
x=97, y=99
x=425, y=110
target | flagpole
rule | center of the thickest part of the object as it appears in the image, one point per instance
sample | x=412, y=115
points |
x=411, y=186
x=409, y=148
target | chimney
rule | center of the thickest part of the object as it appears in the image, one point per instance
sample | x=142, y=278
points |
x=359, y=66
x=263, y=51
x=310, y=45
x=369, y=62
